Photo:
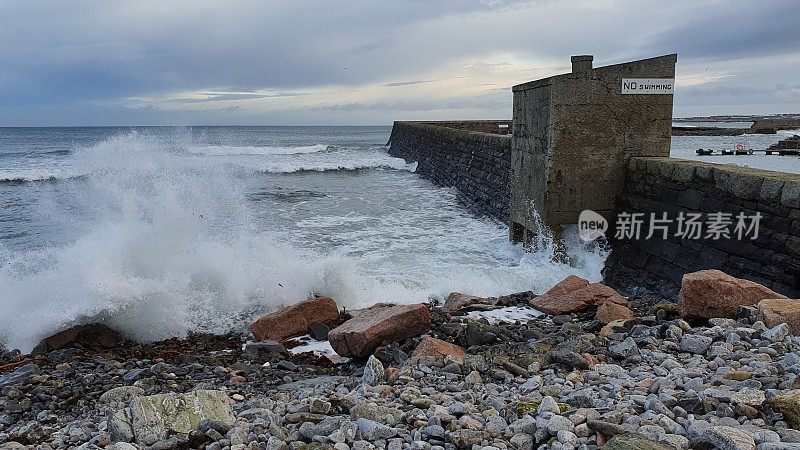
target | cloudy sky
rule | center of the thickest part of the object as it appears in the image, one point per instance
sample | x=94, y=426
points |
x=333, y=62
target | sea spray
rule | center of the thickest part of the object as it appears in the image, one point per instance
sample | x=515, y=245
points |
x=169, y=247
x=157, y=241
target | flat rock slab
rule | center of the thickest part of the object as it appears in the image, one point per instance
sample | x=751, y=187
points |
x=156, y=417
x=361, y=335
x=707, y=294
x=294, y=320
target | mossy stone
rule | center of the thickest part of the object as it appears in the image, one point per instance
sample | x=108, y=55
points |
x=789, y=406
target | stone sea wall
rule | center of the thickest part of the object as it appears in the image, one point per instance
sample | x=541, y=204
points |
x=659, y=185
x=476, y=163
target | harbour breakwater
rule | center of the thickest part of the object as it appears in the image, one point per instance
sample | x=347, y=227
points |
x=471, y=156
x=477, y=165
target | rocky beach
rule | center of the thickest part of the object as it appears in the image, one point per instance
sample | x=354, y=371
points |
x=579, y=367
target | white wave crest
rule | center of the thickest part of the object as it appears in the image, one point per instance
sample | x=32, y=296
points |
x=39, y=174
x=337, y=164
x=228, y=150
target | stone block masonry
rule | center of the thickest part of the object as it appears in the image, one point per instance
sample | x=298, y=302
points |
x=665, y=185
x=574, y=133
x=451, y=154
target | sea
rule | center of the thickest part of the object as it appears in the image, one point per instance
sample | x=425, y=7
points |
x=164, y=231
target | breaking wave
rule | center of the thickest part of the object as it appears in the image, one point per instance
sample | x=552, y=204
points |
x=228, y=150
x=167, y=243
x=28, y=175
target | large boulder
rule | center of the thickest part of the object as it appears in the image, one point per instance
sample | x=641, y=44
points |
x=707, y=294
x=94, y=335
x=774, y=311
x=294, y=320
x=574, y=294
x=361, y=335
x=156, y=417
x=437, y=348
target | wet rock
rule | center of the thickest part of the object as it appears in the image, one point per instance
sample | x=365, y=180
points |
x=432, y=347
x=319, y=331
x=294, y=320
x=479, y=333
x=266, y=349
x=18, y=376
x=712, y=293
x=133, y=375
x=95, y=335
x=361, y=335
x=775, y=311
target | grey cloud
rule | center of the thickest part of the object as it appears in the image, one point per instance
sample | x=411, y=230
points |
x=59, y=55
x=235, y=96
x=406, y=83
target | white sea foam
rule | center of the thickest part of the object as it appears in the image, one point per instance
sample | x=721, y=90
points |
x=229, y=150
x=36, y=174
x=508, y=314
x=171, y=245
x=343, y=162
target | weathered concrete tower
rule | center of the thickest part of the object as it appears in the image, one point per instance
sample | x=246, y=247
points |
x=574, y=133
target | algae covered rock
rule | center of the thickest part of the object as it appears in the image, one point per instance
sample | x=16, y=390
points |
x=789, y=406
x=155, y=417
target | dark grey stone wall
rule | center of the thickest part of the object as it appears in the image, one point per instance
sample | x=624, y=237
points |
x=658, y=185
x=477, y=164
